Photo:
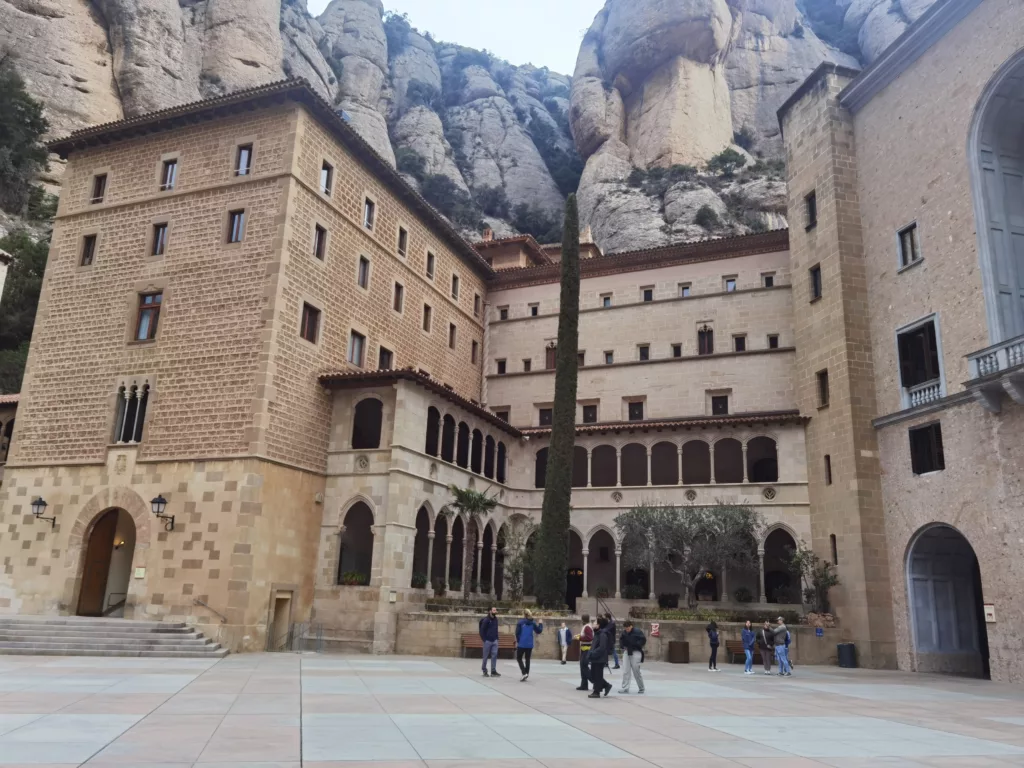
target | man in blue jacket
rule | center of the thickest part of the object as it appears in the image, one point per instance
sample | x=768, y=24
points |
x=489, y=634
x=526, y=628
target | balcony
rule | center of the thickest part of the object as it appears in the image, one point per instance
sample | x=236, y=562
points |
x=997, y=370
x=922, y=394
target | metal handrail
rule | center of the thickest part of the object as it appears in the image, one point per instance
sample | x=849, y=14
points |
x=111, y=608
x=223, y=618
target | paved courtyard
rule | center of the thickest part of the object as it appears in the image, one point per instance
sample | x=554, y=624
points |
x=264, y=711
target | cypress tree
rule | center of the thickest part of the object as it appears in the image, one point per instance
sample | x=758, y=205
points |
x=552, y=554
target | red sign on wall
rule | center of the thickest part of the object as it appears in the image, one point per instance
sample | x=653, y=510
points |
x=655, y=630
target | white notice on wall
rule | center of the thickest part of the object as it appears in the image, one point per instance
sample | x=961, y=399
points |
x=140, y=573
x=990, y=613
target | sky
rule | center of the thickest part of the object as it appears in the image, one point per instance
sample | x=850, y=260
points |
x=540, y=32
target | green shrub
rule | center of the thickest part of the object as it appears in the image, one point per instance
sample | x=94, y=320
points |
x=419, y=581
x=634, y=592
x=566, y=168
x=355, y=579
x=743, y=595
x=42, y=206
x=603, y=592
x=492, y=200
x=533, y=221
x=22, y=125
x=655, y=182
x=726, y=162
x=18, y=308
x=745, y=138
x=455, y=203
x=411, y=162
x=707, y=218
x=397, y=29
x=755, y=616
x=668, y=600
x=421, y=94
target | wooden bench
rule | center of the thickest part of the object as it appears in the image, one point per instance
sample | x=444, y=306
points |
x=734, y=652
x=471, y=642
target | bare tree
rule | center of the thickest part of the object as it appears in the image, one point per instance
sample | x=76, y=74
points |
x=517, y=558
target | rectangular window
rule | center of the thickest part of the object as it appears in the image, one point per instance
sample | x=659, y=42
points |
x=427, y=317
x=386, y=360
x=455, y=287
x=835, y=549
x=719, y=405
x=822, y=388
x=815, y=275
x=910, y=247
x=768, y=280
x=581, y=359
x=811, y=210
x=609, y=358
x=677, y=350
x=828, y=469
x=503, y=415
x=452, y=332
x=474, y=351
x=99, y=188
x=919, y=362
x=236, y=226
x=320, y=242
x=636, y=411
x=606, y=300
x=739, y=343
x=169, y=176
x=310, y=328
x=502, y=367
x=159, y=244
x=706, y=341
x=589, y=414
x=430, y=265
x=926, y=449
x=476, y=305
x=527, y=365
x=684, y=290
x=399, y=300
x=88, y=250
x=503, y=313
x=647, y=294
x=326, y=178
x=363, y=274
x=545, y=417
x=356, y=348
x=369, y=213
x=730, y=284
x=403, y=242
x=149, y=316
x=773, y=341
x=644, y=352
x=243, y=160
x=534, y=310
x=131, y=413
x=550, y=357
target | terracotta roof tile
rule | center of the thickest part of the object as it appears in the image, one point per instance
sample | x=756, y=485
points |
x=738, y=419
x=9, y=399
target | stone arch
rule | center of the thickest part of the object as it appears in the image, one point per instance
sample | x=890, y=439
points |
x=489, y=458
x=634, y=464
x=502, y=461
x=421, y=542
x=781, y=583
x=355, y=553
x=604, y=470
x=448, y=438
x=696, y=462
x=776, y=526
x=762, y=460
x=476, y=458
x=356, y=499
x=367, y=423
x=580, y=467
x=728, y=460
x=540, y=468
x=462, y=443
x=595, y=530
x=601, y=545
x=433, y=439
x=664, y=463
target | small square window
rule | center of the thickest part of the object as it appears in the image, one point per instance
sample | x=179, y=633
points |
x=684, y=290
x=636, y=411
x=719, y=405
x=730, y=284
x=149, y=316
x=534, y=310
x=768, y=280
x=677, y=350
x=648, y=294
x=502, y=367
x=811, y=210
x=815, y=275
x=773, y=341
x=159, y=244
x=455, y=287
x=356, y=348
x=474, y=351
x=644, y=352
x=169, y=175
x=926, y=453
x=476, y=305
x=369, y=213
x=320, y=242
x=823, y=393
x=589, y=414
x=527, y=364
x=427, y=317
x=236, y=226
x=243, y=160
x=403, y=242
x=88, y=250
x=363, y=273
x=99, y=188
x=452, y=335
x=606, y=300
x=310, y=328
x=609, y=358
x=581, y=359
x=503, y=313
x=385, y=360
x=828, y=469
x=326, y=178
x=910, y=247
x=545, y=415
x=503, y=415
x=739, y=343
x=399, y=299
x=430, y=265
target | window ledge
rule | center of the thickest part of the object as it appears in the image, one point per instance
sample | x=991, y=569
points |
x=823, y=407
x=909, y=266
x=809, y=227
x=816, y=299
x=141, y=342
x=928, y=474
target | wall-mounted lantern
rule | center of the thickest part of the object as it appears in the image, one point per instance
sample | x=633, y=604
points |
x=38, y=508
x=159, y=505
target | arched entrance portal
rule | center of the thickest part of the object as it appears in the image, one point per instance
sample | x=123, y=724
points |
x=946, y=605
x=108, y=565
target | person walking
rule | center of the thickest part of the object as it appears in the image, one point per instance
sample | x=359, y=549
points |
x=611, y=632
x=586, y=638
x=749, y=639
x=633, y=642
x=712, y=630
x=526, y=629
x=564, y=640
x=489, y=636
x=599, y=651
x=789, y=661
x=766, y=641
x=781, y=651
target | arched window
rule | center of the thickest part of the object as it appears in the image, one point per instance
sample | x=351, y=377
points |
x=489, y=457
x=477, y=452
x=6, y=433
x=706, y=340
x=604, y=467
x=501, y=463
x=664, y=464
x=781, y=581
x=448, y=439
x=634, y=464
x=696, y=463
x=580, y=470
x=462, y=452
x=762, y=460
x=540, y=470
x=367, y=423
x=356, y=557
x=728, y=461
x=433, y=430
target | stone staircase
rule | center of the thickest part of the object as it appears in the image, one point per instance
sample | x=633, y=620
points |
x=80, y=636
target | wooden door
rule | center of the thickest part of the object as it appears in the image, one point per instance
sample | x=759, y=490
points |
x=97, y=565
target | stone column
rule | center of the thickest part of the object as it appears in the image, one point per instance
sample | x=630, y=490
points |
x=494, y=560
x=652, y=595
x=711, y=456
x=679, y=457
x=479, y=557
x=760, y=574
x=586, y=553
x=618, y=467
x=618, y=573
x=447, y=559
x=590, y=470
x=430, y=561
x=649, y=450
x=723, y=592
x=744, y=462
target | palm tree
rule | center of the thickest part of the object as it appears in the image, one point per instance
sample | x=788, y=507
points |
x=475, y=505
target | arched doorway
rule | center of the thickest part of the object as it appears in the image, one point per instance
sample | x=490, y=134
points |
x=574, y=576
x=781, y=584
x=108, y=565
x=421, y=550
x=946, y=606
x=601, y=564
x=356, y=560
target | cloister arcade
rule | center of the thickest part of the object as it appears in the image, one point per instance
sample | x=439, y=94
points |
x=453, y=442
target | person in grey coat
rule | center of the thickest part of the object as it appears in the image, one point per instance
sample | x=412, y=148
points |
x=781, y=650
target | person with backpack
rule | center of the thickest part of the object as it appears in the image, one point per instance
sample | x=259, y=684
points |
x=489, y=636
x=748, y=638
x=599, y=652
x=766, y=642
x=564, y=640
x=526, y=629
x=633, y=642
x=586, y=638
x=712, y=630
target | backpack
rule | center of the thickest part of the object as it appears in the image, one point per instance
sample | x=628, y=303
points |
x=788, y=638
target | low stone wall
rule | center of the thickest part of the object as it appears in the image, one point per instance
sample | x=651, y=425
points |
x=353, y=615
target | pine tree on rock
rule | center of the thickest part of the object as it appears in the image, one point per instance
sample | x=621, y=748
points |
x=552, y=554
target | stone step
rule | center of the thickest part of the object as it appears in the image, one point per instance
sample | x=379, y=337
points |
x=88, y=621
x=40, y=637
x=108, y=645
x=336, y=645
x=218, y=654
x=83, y=636
x=60, y=631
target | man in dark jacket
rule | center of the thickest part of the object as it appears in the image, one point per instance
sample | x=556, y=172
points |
x=766, y=642
x=489, y=635
x=611, y=631
x=586, y=638
x=599, y=653
x=633, y=642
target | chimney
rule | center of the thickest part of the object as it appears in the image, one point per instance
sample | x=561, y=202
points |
x=488, y=234
x=587, y=237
